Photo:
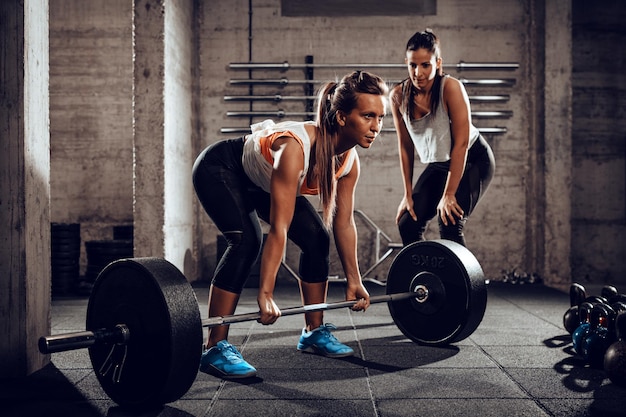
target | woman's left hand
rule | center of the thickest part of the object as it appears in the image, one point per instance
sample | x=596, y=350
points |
x=449, y=210
x=359, y=293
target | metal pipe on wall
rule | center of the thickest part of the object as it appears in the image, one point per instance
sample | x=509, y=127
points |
x=246, y=130
x=282, y=113
x=279, y=98
x=284, y=66
x=503, y=82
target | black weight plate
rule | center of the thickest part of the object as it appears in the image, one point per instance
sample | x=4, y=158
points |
x=153, y=298
x=457, y=292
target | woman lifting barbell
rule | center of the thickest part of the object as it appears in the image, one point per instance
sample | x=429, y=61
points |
x=266, y=174
x=431, y=112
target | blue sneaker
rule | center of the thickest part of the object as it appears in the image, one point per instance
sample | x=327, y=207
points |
x=225, y=361
x=322, y=342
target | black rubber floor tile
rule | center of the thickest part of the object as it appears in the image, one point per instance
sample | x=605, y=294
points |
x=408, y=355
x=50, y=408
x=459, y=407
x=381, y=333
x=567, y=380
x=205, y=387
x=281, y=336
x=72, y=359
x=602, y=407
x=301, y=384
x=513, y=336
x=444, y=383
x=529, y=357
x=290, y=408
x=90, y=388
x=516, y=318
x=288, y=357
x=47, y=384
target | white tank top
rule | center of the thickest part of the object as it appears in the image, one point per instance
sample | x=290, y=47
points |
x=258, y=157
x=431, y=135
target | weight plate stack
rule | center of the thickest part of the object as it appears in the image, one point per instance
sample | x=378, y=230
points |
x=123, y=232
x=64, y=257
x=100, y=253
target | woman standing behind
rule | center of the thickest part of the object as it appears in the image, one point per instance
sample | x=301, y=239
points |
x=432, y=116
x=266, y=175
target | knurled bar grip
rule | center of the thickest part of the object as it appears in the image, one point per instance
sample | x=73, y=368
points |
x=237, y=318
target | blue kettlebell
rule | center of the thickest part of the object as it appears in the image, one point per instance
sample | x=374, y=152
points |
x=600, y=335
x=581, y=332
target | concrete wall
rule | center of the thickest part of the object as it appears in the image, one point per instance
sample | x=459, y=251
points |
x=599, y=142
x=24, y=186
x=91, y=116
x=179, y=135
x=93, y=126
x=163, y=195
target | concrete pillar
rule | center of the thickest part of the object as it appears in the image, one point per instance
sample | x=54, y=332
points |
x=558, y=143
x=163, y=192
x=24, y=185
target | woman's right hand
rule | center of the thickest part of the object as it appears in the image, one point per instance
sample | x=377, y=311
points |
x=268, y=309
x=406, y=205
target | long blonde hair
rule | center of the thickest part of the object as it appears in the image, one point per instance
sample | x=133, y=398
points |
x=333, y=97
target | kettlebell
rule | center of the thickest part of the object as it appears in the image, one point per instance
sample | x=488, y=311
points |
x=618, y=306
x=581, y=332
x=596, y=299
x=608, y=292
x=600, y=335
x=577, y=295
x=618, y=298
x=615, y=356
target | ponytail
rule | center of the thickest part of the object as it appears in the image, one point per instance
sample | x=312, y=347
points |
x=324, y=169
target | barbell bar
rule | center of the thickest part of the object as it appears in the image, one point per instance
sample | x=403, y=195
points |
x=120, y=334
x=144, y=331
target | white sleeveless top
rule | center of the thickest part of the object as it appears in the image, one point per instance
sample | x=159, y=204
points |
x=258, y=156
x=431, y=135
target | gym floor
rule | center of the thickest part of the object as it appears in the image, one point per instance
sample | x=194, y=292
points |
x=519, y=362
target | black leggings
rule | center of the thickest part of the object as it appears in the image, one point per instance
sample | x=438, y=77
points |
x=428, y=191
x=235, y=205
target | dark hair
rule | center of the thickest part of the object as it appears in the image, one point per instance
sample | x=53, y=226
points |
x=423, y=40
x=333, y=97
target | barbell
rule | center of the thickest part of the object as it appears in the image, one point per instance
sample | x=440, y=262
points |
x=144, y=328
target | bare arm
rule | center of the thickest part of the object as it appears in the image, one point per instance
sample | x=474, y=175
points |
x=288, y=166
x=406, y=151
x=345, y=233
x=457, y=103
